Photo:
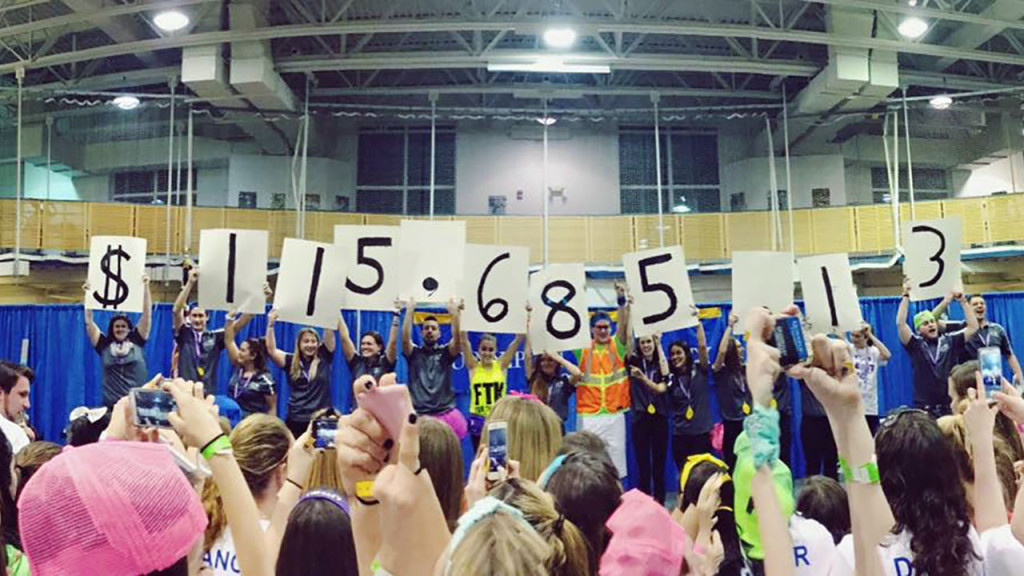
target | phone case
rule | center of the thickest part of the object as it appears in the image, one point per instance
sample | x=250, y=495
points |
x=390, y=405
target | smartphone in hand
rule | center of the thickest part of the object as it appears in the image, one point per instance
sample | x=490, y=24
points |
x=151, y=407
x=991, y=360
x=324, y=431
x=788, y=337
x=497, y=451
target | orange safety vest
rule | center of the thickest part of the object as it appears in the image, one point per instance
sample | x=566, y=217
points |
x=605, y=386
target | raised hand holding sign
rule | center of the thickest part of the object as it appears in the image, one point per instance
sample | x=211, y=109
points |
x=371, y=259
x=494, y=288
x=558, y=299
x=659, y=282
x=309, y=283
x=234, y=266
x=116, y=267
x=830, y=296
x=932, y=257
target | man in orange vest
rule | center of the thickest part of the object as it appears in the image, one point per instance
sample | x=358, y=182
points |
x=602, y=397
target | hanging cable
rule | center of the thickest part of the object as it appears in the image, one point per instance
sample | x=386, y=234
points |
x=188, y=197
x=896, y=173
x=305, y=157
x=433, y=146
x=544, y=181
x=789, y=181
x=170, y=181
x=655, y=98
x=910, y=162
x=773, y=201
x=20, y=74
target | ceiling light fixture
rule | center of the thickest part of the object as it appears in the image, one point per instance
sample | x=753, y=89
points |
x=549, y=66
x=126, y=102
x=941, y=102
x=559, y=37
x=546, y=121
x=170, y=20
x=913, y=27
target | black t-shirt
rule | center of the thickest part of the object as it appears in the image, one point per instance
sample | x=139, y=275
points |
x=198, y=356
x=251, y=393
x=991, y=334
x=733, y=393
x=643, y=399
x=809, y=402
x=375, y=366
x=932, y=361
x=690, y=395
x=309, y=396
x=781, y=395
x=430, y=378
x=559, y=390
x=124, y=365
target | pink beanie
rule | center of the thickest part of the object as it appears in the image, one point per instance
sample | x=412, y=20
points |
x=645, y=541
x=109, y=508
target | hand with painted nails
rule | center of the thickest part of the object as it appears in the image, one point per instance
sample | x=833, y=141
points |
x=362, y=444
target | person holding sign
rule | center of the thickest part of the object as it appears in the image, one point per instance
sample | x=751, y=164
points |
x=308, y=371
x=372, y=357
x=122, y=348
x=488, y=378
x=603, y=397
x=430, y=368
x=869, y=353
x=932, y=354
x=734, y=399
x=552, y=378
x=648, y=372
x=989, y=333
x=691, y=401
x=198, y=348
x=251, y=385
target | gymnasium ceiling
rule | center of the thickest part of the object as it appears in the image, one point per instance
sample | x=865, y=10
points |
x=381, y=53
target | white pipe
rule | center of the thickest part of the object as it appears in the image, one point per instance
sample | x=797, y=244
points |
x=655, y=98
x=773, y=201
x=910, y=162
x=789, y=181
x=188, y=198
x=433, y=147
x=896, y=171
x=170, y=173
x=305, y=158
x=17, y=182
x=544, y=183
x=295, y=179
x=894, y=202
x=49, y=155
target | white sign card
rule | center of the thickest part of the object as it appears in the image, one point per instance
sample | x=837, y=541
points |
x=371, y=259
x=660, y=287
x=233, y=270
x=559, y=321
x=495, y=288
x=116, y=266
x=309, y=283
x=932, y=257
x=431, y=256
x=761, y=279
x=830, y=296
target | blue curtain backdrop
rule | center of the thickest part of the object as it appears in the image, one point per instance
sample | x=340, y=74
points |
x=67, y=370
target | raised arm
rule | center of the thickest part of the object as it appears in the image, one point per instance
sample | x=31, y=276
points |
x=1018, y=376
x=410, y=311
x=883, y=351
x=663, y=360
x=455, y=309
x=723, y=344
x=575, y=374
x=510, y=353
x=147, y=309
x=941, y=307
x=980, y=420
x=527, y=348
x=277, y=356
x=396, y=319
x=348, y=349
x=467, y=350
x=91, y=329
x=659, y=387
x=901, y=315
x=702, y=347
x=972, y=320
x=182, y=299
x=229, y=337
x=775, y=538
x=330, y=340
x=622, y=328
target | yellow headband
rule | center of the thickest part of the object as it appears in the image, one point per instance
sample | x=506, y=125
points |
x=697, y=459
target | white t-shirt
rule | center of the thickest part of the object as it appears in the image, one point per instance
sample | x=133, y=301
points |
x=1004, y=554
x=866, y=362
x=897, y=559
x=222, y=557
x=15, y=435
x=813, y=547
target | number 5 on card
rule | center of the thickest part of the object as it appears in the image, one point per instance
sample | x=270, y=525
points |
x=660, y=287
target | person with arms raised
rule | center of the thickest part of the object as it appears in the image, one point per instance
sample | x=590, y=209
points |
x=122, y=348
x=430, y=367
x=308, y=370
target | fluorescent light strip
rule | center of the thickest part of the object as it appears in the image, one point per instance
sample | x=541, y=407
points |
x=549, y=68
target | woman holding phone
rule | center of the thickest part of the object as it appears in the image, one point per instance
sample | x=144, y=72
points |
x=308, y=371
x=122, y=348
x=251, y=384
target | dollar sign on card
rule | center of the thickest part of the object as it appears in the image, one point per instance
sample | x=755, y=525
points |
x=120, y=294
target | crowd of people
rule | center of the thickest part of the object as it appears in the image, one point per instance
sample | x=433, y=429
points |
x=932, y=490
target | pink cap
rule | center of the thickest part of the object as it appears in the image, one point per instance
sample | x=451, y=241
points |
x=645, y=541
x=110, y=508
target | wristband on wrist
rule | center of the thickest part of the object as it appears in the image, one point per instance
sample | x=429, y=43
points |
x=621, y=300
x=219, y=445
x=864, y=474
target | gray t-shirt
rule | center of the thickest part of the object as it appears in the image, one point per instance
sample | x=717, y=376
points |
x=198, y=356
x=124, y=365
x=691, y=397
x=430, y=378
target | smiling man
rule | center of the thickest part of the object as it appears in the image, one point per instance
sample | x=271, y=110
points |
x=15, y=384
x=988, y=334
x=932, y=353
